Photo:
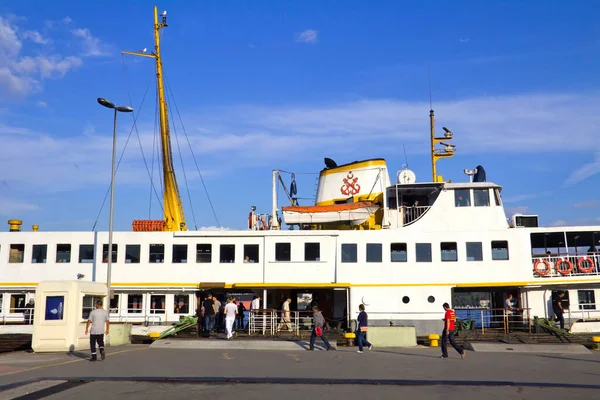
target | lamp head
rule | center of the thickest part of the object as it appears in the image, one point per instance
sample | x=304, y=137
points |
x=105, y=103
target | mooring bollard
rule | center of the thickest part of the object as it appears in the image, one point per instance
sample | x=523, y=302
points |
x=349, y=338
x=595, y=342
x=434, y=340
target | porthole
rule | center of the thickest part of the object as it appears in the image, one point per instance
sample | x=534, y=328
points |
x=431, y=299
x=405, y=299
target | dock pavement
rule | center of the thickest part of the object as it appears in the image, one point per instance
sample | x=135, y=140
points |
x=223, y=369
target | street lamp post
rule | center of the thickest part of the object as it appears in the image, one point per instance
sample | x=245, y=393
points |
x=118, y=109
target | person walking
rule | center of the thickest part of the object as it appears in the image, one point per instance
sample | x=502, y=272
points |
x=286, y=316
x=448, y=333
x=209, y=311
x=319, y=321
x=231, y=310
x=100, y=326
x=362, y=328
x=558, y=309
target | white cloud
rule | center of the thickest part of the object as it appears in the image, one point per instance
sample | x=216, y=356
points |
x=516, y=210
x=42, y=104
x=309, y=36
x=585, y=171
x=587, y=204
x=210, y=228
x=11, y=208
x=91, y=44
x=35, y=37
x=577, y=222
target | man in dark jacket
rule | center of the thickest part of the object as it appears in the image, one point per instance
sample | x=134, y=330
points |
x=319, y=321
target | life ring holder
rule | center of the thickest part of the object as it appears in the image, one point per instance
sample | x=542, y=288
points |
x=585, y=270
x=538, y=270
x=562, y=271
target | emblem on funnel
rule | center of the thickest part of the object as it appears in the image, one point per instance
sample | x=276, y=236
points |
x=350, y=186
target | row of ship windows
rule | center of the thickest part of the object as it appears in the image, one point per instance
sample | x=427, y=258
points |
x=481, y=197
x=283, y=252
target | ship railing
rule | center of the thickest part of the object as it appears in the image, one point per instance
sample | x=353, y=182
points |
x=586, y=312
x=271, y=322
x=492, y=319
x=566, y=265
x=15, y=315
x=153, y=316
x=411, y=214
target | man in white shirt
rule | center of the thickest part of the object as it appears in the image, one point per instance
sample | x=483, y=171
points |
x=98, y=319
x=255, y=305
x=231, y=311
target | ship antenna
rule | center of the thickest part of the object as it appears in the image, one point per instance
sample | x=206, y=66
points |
x=405, y=157
x=430, y=97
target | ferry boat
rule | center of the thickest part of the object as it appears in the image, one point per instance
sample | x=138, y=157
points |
x=402, y=248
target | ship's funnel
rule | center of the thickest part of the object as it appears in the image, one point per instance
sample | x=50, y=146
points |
x=15, y=225
x=352, y=182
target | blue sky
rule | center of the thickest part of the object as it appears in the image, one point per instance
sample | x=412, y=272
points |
x=264, y=85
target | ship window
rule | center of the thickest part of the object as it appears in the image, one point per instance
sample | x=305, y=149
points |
x=283, y=251
x=17, y=303
x=423, y=252
x=132, y=254
x=499, y=250
x=431, y=299
x=406, y=299
x=474, y=251
x=462, y=198
x=157, y=304
x=180, y=253
x=115, y=249
x=587, y=299
x=157, y=253
x=38, y=255
x=251, y=253
x=16, y=253
x=134, y=303
x=204, y=253
x=114, y=304
x=374, y=252
x=227, y=253
x=312, y=251
x=481, y=197
x=349, y=253
x=63, y=253
x=398, y=252
x=497, y=197
x=448, y=251
x=182, y=304
x=86, y=253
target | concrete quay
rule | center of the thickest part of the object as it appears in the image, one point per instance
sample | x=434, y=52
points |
x=153, y=372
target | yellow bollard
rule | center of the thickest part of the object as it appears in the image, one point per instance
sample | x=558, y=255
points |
x=349, y=338
x=596, y=342
x=434, y=340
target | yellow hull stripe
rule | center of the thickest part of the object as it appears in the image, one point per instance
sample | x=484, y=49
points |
x=354, y=166
x=256, y=285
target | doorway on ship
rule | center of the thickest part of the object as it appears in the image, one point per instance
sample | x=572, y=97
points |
x=485, y=307
x=331, y=301
x=243, y=299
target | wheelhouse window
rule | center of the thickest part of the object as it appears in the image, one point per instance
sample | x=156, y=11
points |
x=63, y=253
x=227, y=253
x=132, y=253
x=398, y=252
x=312, y=251
x=204, y=253
x=349, y=253
x=180, y=253
x=499, y=250
x=283, y=251
x=449, y=251
x=374, y=252
x=423, y=252
x=86, y=253
x=462, y=198
x=481, y=197
x=497, y=197
x=474, y=251
x=16, y=253
x=157, y=253
x=38, y=255
x=251, y=253
x=105, y=253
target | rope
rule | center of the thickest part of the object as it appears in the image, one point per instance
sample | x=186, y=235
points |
x=183, y=168
x=193, y=156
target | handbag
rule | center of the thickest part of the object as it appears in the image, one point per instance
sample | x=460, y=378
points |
x=318, y=331
x=364, y=328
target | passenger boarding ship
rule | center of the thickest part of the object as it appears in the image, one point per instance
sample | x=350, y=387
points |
x=400, y=247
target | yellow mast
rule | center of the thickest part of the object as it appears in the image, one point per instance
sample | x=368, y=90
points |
x=173, y=208
x=436, y=154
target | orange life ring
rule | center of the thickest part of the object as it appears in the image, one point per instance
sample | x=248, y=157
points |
x=538, y=270
x=563, y=271
x=585, y=270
